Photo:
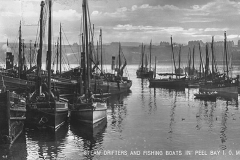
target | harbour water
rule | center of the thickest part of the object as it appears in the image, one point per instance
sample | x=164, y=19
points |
x=146, y=123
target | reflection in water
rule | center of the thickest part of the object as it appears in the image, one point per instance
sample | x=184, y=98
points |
x=206, y=113
x=148, y=100
x=146, y=119
x=118, y=110
x=46, y=144
x=172, y=117
x=90, y=138
x=223, y=136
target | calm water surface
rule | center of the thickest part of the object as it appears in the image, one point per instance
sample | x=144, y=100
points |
x=146, y=123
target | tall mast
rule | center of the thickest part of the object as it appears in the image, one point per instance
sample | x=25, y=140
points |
x=225, y=51
x=97, y=53
x=212, y=57
x=49, y=45
x=20, y=52
x=193, y=59
x=23, y=56
x=207, y=62
x=119, y=57
x=142, y=58
x=30, y=54
x=189, y=61
x=155, y=70
x=150, y=55
x=57, y=54
x=101, y=49
x=39, y=56
x=179, y=61
x=84, y=6
x=201, y=62
x=60, y=48
x=173, y=56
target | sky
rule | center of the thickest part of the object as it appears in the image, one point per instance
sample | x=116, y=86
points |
x=127, y=20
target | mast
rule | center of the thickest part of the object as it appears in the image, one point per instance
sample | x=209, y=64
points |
x=20, y=52
x=150, y=55
x=100, y=37
x=30, y=54
x=119, y=59
x=173, y=56
x=225, y=51
x=49, y=46
x=179, y=61
x=39, y=56
x=207, y=62
x=97, y=54
x=84, y=6
x=189, y=61
x=212, y=57
x=193, y=59
x=60, y=48
x=201, y=62
x=155, y=67
x=23, y=56
x=57, y=54
x=142, y=58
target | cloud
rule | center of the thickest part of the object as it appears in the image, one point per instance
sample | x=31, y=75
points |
x=232, y=36
x=134, y=7
x=216, y=29
x=67, y=15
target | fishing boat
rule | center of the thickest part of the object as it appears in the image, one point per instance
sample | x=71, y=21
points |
x=45, y=109
x=170, y=82
x=86, y=108
x=143, y=71
x=12, y=116
x=223, y=84
x=193, y=76
x=14, y=77
x=114, y=82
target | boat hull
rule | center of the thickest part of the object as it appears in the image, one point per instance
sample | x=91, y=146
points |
x=12, y=117
x=16, y=84
x=166, y=83
x=223, y=91
x=50, y=115
x=88, y=113
x=148, y=74
x=111, y=87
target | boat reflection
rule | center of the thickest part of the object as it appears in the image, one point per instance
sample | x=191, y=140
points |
x=118, y=110
x=172, y=115
x=91, y=138
x=118, y=99
x=48, y=145
x=223, y=136
x=205, y=113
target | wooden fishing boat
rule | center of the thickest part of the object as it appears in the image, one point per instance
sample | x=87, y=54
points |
x=172, y=83
x=13, y=77
x=168, y=83
x=86, y=109
x=114, y=82
x=90, y=113
x=223, y=89
x=16, y=84
x=143, y=71
x=12, y=116
x=45, y=109
x=220, y=83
